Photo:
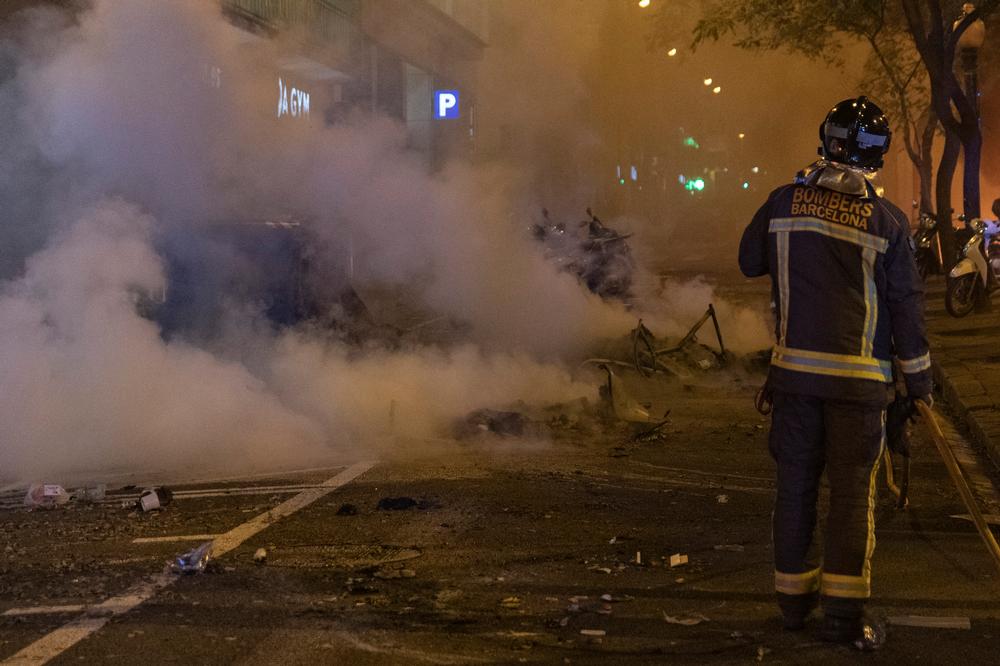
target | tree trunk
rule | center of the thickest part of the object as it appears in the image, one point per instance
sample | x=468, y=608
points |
x=945, y=174
x=971, y=150
x=925, y=169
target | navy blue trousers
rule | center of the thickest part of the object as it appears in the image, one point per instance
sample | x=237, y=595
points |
x=845, y=439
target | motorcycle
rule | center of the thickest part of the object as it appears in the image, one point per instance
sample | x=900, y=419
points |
x=608, y=272
x=597, y=255
x=978, y=268
x=926, y=246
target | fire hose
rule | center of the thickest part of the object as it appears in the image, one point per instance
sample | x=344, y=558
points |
x=958, y=478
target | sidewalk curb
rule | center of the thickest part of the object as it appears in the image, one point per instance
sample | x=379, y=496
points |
x=971, y=404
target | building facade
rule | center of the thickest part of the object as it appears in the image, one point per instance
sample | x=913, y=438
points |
x=342, y=57
x=383, y=57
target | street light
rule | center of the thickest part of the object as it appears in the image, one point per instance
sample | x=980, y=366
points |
x=717, y=89
x=672, y=52
x=644, y=3
x=708, y=82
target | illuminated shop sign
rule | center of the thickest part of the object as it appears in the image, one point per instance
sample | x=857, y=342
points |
x=446, y=104
x=292, y=101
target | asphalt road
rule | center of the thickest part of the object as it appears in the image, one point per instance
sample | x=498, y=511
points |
x=506, y=557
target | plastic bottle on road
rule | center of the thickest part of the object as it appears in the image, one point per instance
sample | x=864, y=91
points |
x=194, y=561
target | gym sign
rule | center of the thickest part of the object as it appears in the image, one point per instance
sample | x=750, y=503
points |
x=292, y=101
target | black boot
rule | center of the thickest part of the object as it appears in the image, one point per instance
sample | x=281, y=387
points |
x=795, y=609
x=862, y=633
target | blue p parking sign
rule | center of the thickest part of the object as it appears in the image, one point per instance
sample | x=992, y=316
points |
x=445, y=104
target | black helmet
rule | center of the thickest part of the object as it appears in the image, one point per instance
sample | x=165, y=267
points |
x=856, y=133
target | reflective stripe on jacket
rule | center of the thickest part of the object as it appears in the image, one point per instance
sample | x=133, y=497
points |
x=846, y=291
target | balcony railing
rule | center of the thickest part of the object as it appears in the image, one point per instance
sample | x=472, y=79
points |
x=331, y=23
x=286, y=13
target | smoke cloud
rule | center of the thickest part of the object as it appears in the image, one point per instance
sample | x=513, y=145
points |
x=119, y=139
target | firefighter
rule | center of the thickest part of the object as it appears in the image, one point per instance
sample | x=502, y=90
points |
x=848, y=301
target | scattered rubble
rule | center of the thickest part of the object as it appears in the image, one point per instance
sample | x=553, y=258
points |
x=91, y=494
x=347, y=510
x=396, y=503
x=504, y=424
x=685, y=619
x=359, y=585
x=624, y=405
x=260, y=556
x=46, y=496
x=405, y=503
x=193, y=561
x=394, y=573
x=677, y=560
x=153, y=499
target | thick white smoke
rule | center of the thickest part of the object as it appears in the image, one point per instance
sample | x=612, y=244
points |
x=89, y=384
x=124, y=139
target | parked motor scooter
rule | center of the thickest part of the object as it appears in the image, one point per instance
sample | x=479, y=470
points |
x=926, y=246
x=978, y=268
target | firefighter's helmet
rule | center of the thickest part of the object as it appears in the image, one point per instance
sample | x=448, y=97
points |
x=855, y=132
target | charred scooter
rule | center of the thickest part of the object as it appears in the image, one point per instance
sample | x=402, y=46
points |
x=597, y=255
x=609, y=265
x=977, y=270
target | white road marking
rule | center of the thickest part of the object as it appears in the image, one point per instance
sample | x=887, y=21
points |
x=18, y=503
x=179, y=537
x=44, y=610
x=94, y=617
x=196, y=493
x=929, y=622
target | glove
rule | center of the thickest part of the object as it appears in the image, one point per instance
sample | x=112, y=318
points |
x=897, y=428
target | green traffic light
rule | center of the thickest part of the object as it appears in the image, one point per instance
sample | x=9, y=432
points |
x=694, y=184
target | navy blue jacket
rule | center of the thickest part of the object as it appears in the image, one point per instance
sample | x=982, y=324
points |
x=847, y=294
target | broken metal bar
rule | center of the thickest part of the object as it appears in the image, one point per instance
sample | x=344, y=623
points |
x=709, y=313
x=718, y=331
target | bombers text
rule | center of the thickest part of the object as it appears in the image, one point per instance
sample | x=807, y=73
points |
x=832, y=206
